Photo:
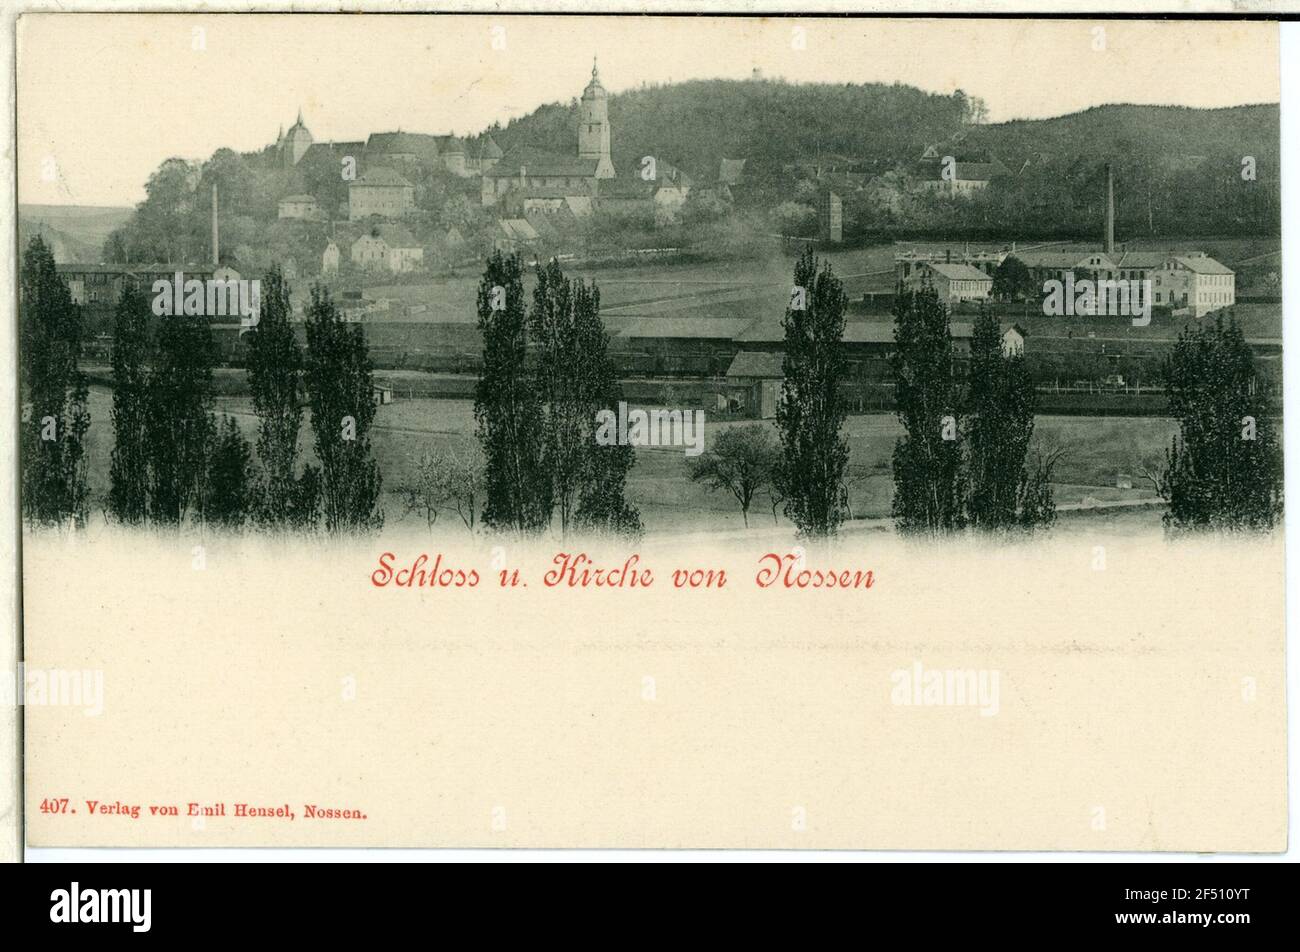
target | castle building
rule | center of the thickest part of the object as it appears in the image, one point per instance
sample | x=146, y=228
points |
x=293, y=145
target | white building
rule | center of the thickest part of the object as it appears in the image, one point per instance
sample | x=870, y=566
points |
x=387, y=247
x=1194, y=282
x=329, y=259
x=953, y=282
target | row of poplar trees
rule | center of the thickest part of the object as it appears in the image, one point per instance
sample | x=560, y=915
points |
x=967, y=458
x=546, y=374
x=962, y=460
x=175, y=460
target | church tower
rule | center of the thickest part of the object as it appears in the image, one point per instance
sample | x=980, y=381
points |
x=593, y=126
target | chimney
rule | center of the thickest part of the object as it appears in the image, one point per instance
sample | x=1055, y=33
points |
x=1110, y=209
x=216, y=241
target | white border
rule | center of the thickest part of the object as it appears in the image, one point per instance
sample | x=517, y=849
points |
x=1290, y=89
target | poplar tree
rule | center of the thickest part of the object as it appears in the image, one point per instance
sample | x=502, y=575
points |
x=1224, y=469
x=340, y=391
x=812, y=410
x=1003, y=494
x=179, y=423
x=226, y=491
x=507, y=408
x=567, y=431
x=128, y=493
x=929, y=482
x=602, y=499
x=55, y=415
x=275, y=380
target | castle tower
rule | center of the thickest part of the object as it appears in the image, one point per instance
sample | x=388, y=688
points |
x=295, y=143
x=593, y=126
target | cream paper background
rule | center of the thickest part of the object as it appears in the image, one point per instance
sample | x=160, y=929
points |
x=1122, y=690
x=1151, y=690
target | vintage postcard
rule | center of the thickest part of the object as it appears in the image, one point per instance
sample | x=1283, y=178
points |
x=651, y=432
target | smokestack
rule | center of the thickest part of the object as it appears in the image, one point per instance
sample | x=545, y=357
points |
x=1110, y=209
x=216, y=240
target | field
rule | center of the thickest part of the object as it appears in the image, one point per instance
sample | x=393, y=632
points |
x=755, y=288
x=1097, y=450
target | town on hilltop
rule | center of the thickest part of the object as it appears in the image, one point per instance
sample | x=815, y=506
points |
x=1093, y=263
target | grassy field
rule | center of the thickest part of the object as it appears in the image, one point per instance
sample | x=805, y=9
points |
x=1097, y=450
x=751, y=288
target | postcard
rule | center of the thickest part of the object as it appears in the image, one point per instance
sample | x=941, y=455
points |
x=651, y=432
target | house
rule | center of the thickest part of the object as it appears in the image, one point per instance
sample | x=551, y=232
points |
x=528, y=168
x=302, y=207
x=659, y=198
x=1194, y=282
x=1013, y=341
x=867, y=344
x=1056, y=265
x=381, y=393
x=954, y=282
x=679, y=346
x=731, y=171
x=958, y=177
x=387, y=247
x=329, y=259
x=754, y=382
x=382, y=192
x=513, y=235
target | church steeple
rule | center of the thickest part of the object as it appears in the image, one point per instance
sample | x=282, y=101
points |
x=593, y=125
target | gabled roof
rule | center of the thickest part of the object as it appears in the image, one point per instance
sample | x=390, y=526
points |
x=540, y=163
x=394, y=236
x=402, y=143
x=332, y=149
x=519, y=229
x=1141, y=259
x=298, y=198
x=761, y=364
x=958, y=272
x=1202, y=264
x=731, y=171
x=1061, y=259
x=554, y=191
x=381, y=177
x=692, y=328
x=768, y=331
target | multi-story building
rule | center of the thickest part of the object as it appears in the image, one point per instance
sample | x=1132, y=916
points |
x=380, y=191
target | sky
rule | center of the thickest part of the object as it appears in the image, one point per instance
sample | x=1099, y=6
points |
x=103, y=99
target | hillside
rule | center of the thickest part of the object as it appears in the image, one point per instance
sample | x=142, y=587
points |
x=695, y=124
x=73, y=232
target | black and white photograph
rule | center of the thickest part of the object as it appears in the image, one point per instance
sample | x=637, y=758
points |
x=488, y=433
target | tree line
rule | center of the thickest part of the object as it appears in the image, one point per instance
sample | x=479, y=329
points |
x=177, y=461
x=966, y=459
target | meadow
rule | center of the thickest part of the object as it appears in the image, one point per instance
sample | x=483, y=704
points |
x=1097, y=450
